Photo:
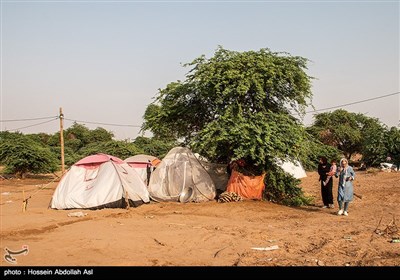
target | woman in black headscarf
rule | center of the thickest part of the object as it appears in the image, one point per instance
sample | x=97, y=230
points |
x=326, y=186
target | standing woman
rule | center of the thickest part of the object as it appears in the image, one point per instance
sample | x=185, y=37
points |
x=326, y=188
x=345, y=189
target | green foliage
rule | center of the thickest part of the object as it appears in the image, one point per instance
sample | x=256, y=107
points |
x=392, y=141
x=258, y=138
x=313, y=150
x=339, y=129
x=54, y=140
x=74, y=144
x=47, y=146
x=283, y=188
x=23, y=155
x=154, y=146
x=353, y=133
x=235, y=105
x=100, y=135
x=76, y=136
x=6, y=136
x=120, y=149
x=374, y=146
x=256, y=82
x=70, y=156
x=76, y=140
x=40, y=137
x=79, y=136
x=153, y=117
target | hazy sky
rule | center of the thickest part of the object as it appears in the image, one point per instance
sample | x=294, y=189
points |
x=104, y=61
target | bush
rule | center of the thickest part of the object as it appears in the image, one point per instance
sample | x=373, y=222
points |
x=24, y=155
x=283, y=188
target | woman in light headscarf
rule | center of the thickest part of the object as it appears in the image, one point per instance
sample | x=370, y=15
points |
x=345, y=189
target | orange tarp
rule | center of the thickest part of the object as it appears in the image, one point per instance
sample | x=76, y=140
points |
x=248, y=187
x=155, y=162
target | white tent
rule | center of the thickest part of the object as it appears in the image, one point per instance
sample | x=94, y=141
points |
x=144, y=165
x=181, y=177
x=385, y=166
x=100, y=181
x=293, y=168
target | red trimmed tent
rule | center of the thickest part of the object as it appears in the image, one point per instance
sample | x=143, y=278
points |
x=100, y=181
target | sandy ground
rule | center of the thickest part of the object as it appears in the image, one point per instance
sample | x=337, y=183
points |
x=205, y=234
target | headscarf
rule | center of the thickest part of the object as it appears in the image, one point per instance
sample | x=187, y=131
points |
x=345, y=169
x=341, y=168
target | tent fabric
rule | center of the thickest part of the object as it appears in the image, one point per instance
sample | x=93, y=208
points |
x=293, y=168
x=144, y=165
x=111, y=184
x=181, y=177
x=97, y=159
x=248, y=187
x=143, y=159
x=218, y=174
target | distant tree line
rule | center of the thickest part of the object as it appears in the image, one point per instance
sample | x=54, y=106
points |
x=41, y=153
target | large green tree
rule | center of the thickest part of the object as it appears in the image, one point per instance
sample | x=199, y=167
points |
x=237, y=105
x=374, y=148
x=233, y=88
x=351, y=133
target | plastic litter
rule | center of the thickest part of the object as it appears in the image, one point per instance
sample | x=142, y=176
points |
x=77, y=214
x=274, y=247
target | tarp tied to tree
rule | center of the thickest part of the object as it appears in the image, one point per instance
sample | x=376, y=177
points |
x=237, y=105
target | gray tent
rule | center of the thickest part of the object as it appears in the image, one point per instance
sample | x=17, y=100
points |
x=181, y=177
